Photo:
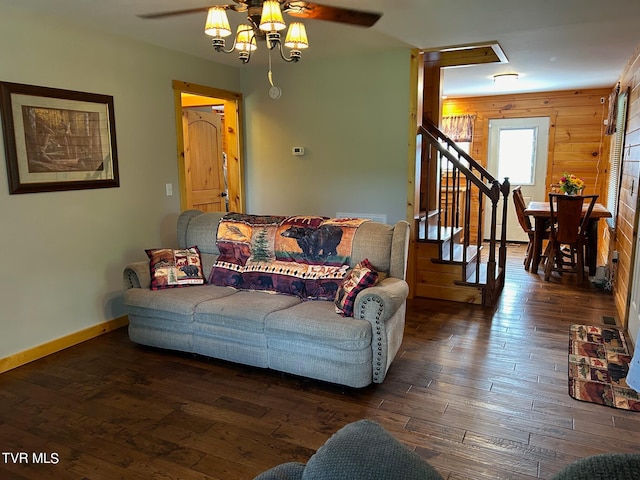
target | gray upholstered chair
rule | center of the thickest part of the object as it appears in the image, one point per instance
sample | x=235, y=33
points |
x=365, y=450
x=608, y=466
x=361, y=449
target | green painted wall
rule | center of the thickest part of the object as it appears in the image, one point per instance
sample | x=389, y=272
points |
x=63, y=252
x=351, y=117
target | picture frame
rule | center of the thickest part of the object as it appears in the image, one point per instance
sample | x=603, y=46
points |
x=57, y=139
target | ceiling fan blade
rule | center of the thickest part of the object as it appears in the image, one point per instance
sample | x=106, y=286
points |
x=331, y=14
x=237, y=7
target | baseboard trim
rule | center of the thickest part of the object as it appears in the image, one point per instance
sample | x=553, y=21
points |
x=40, y=351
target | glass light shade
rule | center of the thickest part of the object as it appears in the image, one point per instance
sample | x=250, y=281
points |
x=217, y=23
x=296, y=36
x=505, y=79
x=271, y=20
x=245, y=38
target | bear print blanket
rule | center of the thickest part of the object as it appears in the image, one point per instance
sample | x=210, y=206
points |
x=301, y=255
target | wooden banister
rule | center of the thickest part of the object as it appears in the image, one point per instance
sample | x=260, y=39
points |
x=455, y=194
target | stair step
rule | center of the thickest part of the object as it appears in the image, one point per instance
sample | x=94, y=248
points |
x=482, y=276
x=453, y=293
x=458, y=254
x=429, y=233
x=427, y=216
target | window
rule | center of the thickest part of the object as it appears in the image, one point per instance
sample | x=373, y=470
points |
x=465, y=147
x=517, y=154
x=615, y=160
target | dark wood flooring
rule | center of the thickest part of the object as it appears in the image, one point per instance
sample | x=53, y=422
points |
x=481, y=393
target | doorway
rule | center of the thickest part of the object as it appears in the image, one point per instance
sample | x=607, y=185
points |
x=209, y=138
x=518, y=149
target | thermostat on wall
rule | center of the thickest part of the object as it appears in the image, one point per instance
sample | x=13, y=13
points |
x=298, y=151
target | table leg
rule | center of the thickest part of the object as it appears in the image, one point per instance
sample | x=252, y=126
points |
x=540, y=223
x=592, y=246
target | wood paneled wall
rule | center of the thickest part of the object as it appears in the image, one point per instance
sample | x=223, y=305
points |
x=626, y=223
x=577, y=143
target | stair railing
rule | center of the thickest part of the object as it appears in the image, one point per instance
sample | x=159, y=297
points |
x=463, y=190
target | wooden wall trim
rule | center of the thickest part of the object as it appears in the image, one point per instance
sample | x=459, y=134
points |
x=40, y=351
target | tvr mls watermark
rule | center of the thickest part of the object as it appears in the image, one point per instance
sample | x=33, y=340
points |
x=30, y=457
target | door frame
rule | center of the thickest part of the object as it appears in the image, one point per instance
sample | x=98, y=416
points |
x=234, y=139
x=634, y=284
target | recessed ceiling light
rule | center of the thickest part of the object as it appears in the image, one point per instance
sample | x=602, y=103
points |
x=505, y=79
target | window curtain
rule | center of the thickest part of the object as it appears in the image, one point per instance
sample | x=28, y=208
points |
x=458, y=128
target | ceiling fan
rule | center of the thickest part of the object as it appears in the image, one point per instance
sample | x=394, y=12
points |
x=295, y=8
x=265, y=20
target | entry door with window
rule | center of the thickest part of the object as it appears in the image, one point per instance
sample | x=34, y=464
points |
x=518, y=149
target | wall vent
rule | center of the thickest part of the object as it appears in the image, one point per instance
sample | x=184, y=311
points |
x=376, y=217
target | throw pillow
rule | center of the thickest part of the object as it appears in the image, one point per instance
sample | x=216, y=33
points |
x=175, y=268
x=363, y=275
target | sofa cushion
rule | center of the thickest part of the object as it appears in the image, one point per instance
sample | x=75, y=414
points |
x=176, y=304
x=244, y=311
x=175, y=268
x=363, y=275
x=318, y=325
x=373, y=241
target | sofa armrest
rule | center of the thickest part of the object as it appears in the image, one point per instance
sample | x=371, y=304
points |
x=382, y=301
x=137, y=275
x=384, y=306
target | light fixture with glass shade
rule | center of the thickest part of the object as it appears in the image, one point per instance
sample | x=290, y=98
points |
x=505, y=80
x=271, y=23
x=265, y=21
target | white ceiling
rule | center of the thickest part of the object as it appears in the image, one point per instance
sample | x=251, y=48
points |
x=552, y=44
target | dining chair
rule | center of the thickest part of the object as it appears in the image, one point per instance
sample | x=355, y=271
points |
x=525, y=223
x=568, y=233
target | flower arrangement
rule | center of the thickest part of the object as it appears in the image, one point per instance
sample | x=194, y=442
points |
x=570, y=184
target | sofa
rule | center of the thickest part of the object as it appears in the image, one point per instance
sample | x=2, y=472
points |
x=365, y=450
x=248, y=312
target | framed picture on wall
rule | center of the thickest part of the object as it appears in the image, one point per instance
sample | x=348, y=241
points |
x=57, y=139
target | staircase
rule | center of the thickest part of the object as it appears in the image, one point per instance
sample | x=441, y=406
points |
x=456, y=257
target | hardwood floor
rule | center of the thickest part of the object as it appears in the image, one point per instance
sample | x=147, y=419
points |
x=481, y=393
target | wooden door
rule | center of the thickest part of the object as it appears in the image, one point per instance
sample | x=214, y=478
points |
x=204, y=169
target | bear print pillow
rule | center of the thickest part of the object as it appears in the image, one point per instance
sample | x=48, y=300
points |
x=175, y=268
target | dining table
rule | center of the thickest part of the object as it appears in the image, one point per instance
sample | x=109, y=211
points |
x=541, y=213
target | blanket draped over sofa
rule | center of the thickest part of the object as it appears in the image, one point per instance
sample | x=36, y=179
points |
x=301, y=255
x=269, y=298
